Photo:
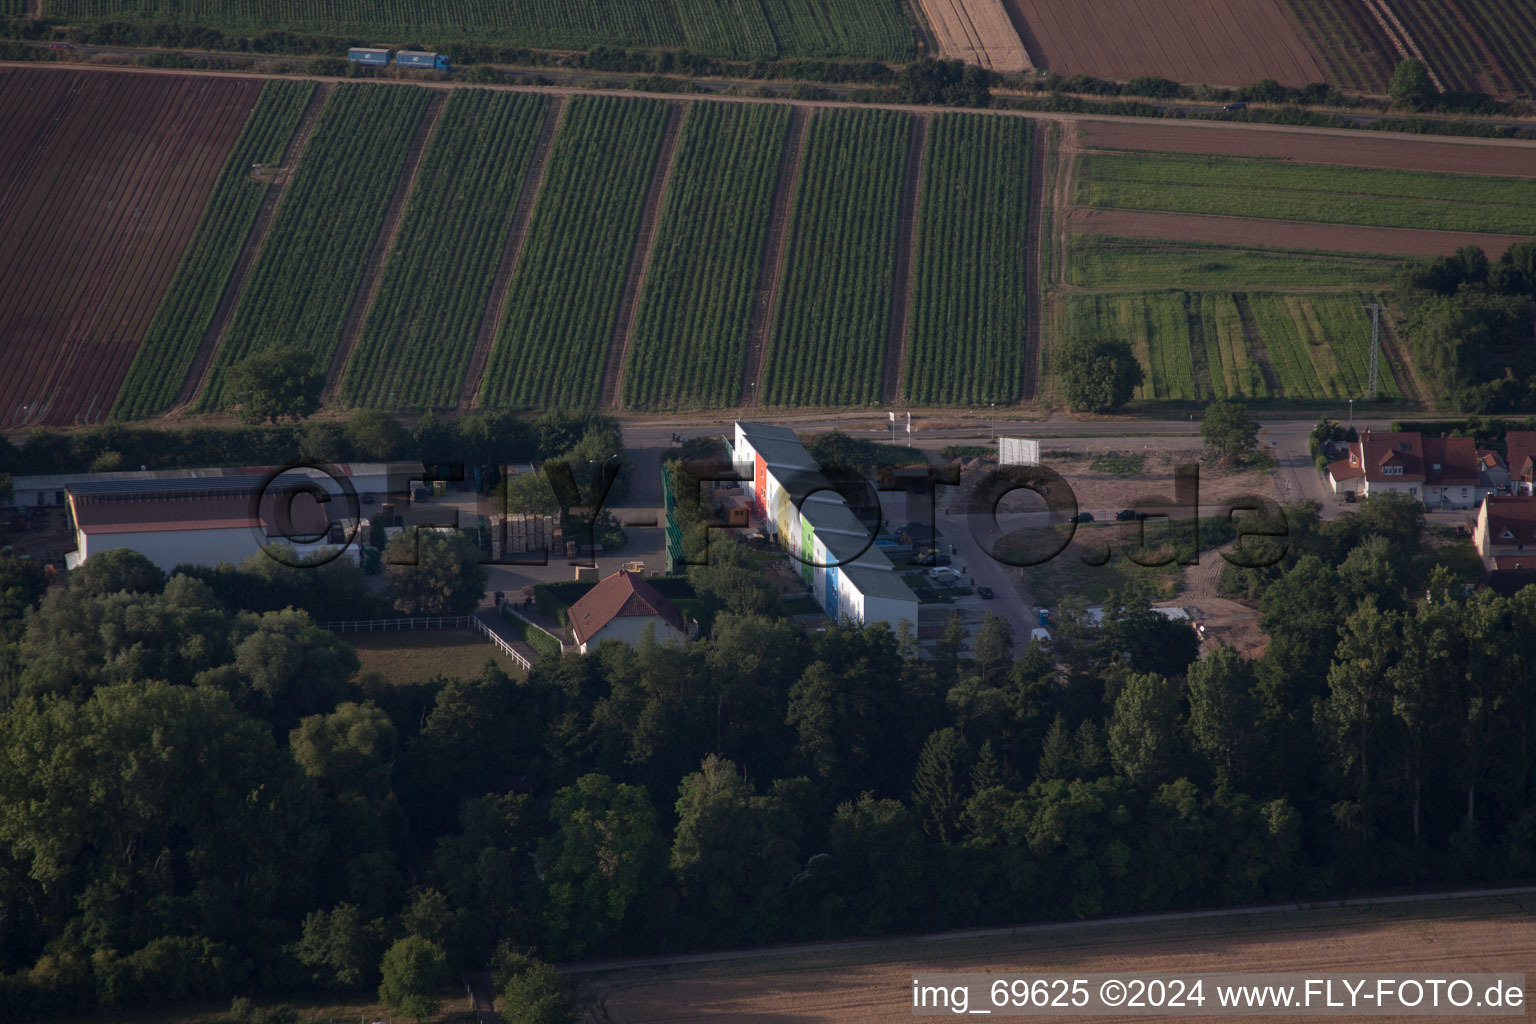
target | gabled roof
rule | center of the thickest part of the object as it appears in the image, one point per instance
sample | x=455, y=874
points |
x=1490, y=461
x=1450, y=461
x=1515, y=515
x=1344, y=470
x=1521, y=445
x=1376, y=451
x=138, y=506
x=621, y=595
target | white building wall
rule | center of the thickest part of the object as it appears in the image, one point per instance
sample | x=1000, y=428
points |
x=630, y=628
x=884, y=609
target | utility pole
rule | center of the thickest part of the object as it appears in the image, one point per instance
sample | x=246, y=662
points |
x=1375, y=382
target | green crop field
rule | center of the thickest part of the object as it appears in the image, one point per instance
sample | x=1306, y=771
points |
x=564, y=300
x=1507, y=29
x=1340, y=33
x=1196, y=346
x=317, y=246
x=966, y=328
x=875, y=29
x=1100, y=261
x=170, y=344
x=1282, y=190
x=416, y=344
x=689, y=340
x=834, y=308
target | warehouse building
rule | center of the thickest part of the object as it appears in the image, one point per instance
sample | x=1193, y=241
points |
x=798, y=507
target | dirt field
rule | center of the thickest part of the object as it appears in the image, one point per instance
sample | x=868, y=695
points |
x=977, y=32
x=1277, y=234
x=102, y=180
x=1222, y=42
x=1357, y=149
x=856, y=985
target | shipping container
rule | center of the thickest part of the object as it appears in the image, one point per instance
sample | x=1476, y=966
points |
x=420, y=59
x=376, y=56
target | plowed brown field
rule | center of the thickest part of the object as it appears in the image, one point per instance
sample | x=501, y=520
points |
x=853, y=986
x=1222, y=42
x=102, y=180
x=1357, y=149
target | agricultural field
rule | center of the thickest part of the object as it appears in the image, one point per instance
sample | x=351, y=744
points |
x=1475, y=45
x=875, y=29
x=1196, y=346
x=106, y=174
x=828, y=341
x=689, y=341
x=1230, y=186
x=1221, y=42
x=417, y=340
x=166, y=354
x=317, y=246
x=1348, y=43
x=1101, y=261
x=965, y=337
x=564, y=300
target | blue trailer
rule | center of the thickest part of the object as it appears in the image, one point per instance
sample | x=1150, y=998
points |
x=421, y=59
x=374, y=56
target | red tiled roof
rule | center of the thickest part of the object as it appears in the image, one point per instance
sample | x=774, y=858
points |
x=621, y=594
x=1489, y=460
x=1342, y=470
x=1376, y=450
x=1521, y=445
x=1515, y=514
x=1457, y=459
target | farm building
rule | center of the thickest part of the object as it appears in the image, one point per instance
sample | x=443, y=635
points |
x=199, y=520
x=376, y=478
x=621, y=608
x=796, y=505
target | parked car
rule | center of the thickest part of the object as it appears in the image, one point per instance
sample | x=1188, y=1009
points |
x=985, y=592
x=944, y=574
x=930, y=557
x=1349, y=497
x=1125, y=515
x=1083, y=517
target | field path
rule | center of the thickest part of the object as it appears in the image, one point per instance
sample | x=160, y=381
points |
x=512, y=254
x=368, y=288
x=197, y=375
x=906, y=243
x=1258, y=352
x=640, y=258
x=1280, y=234
x=772, y=272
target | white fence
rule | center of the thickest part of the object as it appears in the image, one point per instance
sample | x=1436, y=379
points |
x=429, y=622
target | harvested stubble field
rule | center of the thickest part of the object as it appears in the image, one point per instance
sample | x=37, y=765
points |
x=1222, y=42
x=102, y=181
x=1315, y=193
x=977, y=32
x=854, y=984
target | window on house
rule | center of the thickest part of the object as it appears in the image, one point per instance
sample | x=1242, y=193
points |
x=1437, y=465
x=1413, y=490
x=1405, y=446
x=1506, y=535
x=1463, y=492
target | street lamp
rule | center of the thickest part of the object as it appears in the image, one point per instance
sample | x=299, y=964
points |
x=1351, y=414
x=993, y=416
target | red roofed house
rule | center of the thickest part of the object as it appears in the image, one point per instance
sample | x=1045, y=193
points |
x=620, y=608
x=1521, y=459
x=1440, y=471
x=1506, y=532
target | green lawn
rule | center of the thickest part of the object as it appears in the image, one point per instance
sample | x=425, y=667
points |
x=1103, y=261
x=1282, y=190
x=418, y=655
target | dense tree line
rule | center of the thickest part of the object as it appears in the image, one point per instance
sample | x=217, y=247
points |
x=202, y=799
x=1469, y=325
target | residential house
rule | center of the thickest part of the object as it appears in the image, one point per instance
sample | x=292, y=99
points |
x=621, y=607
x=1442, y=472
x=1520, y=457
x=1505, y=536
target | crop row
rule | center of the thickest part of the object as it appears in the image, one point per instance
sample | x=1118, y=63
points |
x=1509, y=29
x=966, y=329
x=169, y=345
x=722, y=28
x=1445, y=43
x=1308, y=192
x=1101, y=261
x=690, y=334
x=317, y=247
x=1199, y=346
x=418, y=337
x=563, y=303
x=829, y=331
x=1341, y=38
